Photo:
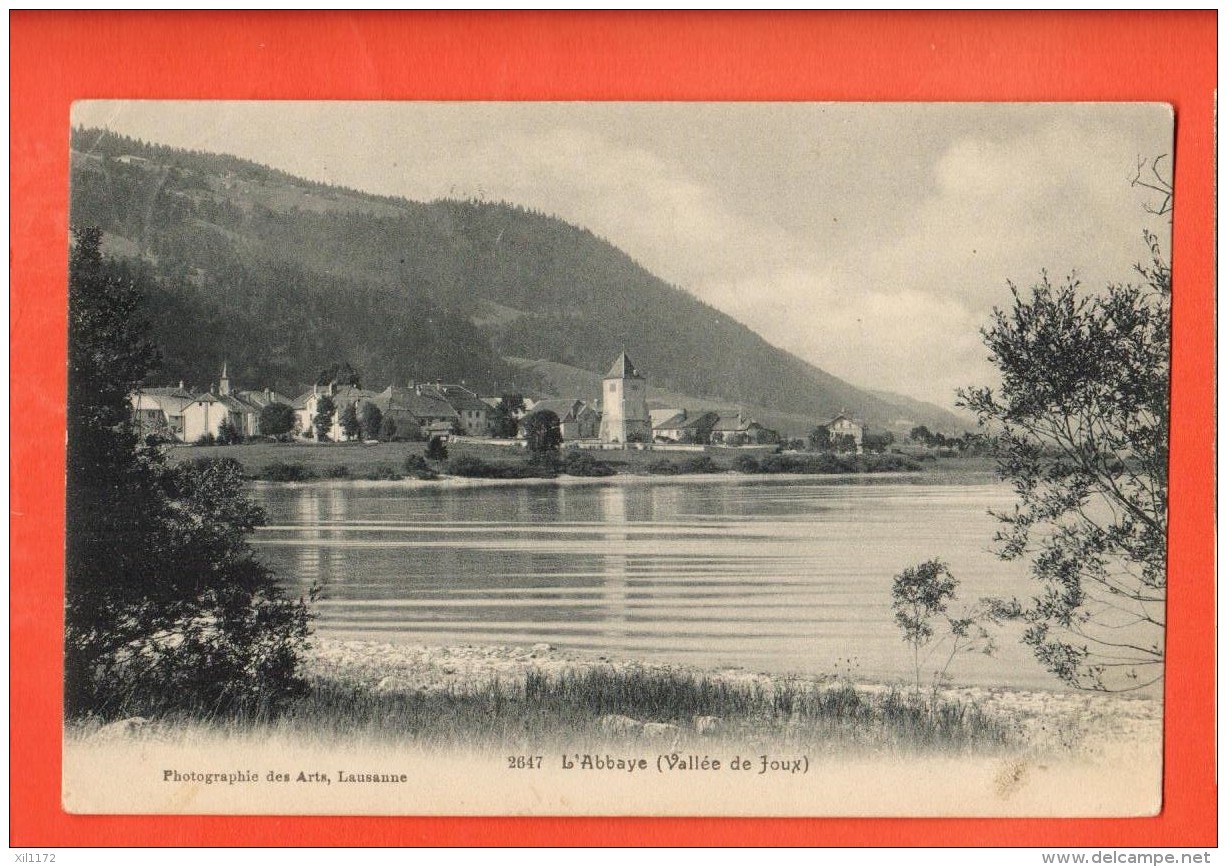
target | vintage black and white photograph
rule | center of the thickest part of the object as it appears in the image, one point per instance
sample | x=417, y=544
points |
x=730, y=459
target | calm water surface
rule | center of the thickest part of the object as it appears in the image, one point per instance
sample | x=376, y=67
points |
x=770, y=574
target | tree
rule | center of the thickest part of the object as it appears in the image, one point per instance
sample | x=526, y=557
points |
x=543, y=431
x=845, y=443
x=166, y=606
x=820, y=439
x=370, y=419
x=387, y=429
x=505, y=416
x=325, y=409
x=276, y=420
x=877, y=442
x=512, y=405
x=350, y=426
x=340, y=373
x=436, y=449
x=921, y=434
x=920, y=596
x=228, y=434
x=1081, y=424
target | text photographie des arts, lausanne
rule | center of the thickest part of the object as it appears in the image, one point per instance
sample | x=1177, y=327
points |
x=617, y=458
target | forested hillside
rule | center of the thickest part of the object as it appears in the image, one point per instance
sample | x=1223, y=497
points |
x=283, y=277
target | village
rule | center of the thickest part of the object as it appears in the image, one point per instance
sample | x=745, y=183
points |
x=619, y=418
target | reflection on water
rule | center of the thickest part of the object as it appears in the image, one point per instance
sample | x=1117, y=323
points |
x=780, y=575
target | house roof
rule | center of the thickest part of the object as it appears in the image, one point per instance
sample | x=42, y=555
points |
x=732, y=421
x=230, y=402
x=425, y=405
x=846, y=417
x=677, y=421
x=564, y=408
x=623, y=368
x=457, y=397
x=169, y=400
x=685, y=421
x=264, y=398
x=345, y=394
x=169, y=391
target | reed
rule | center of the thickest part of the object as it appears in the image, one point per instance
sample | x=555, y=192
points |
x=541, y=710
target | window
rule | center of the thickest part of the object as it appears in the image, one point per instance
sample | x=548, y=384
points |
x=613, y=386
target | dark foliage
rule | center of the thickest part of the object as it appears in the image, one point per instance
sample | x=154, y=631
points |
x=476, y=468
x=276, y=420
x=228, y=434
x=578, y=463
x=370, y=421
x=286, y=472
x=543, y=431
x=820, y=439
x=387, y=429
x=325, y=409
x=339, y=373
x=416, y=466
x=165, y=605
x=383, y=473
x=436, y=449
x=350, y=426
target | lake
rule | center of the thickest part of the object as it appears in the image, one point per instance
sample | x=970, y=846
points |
x=768, y=573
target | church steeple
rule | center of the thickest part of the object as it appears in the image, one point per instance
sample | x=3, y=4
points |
x=623, y=368
x=624, y=408
x=223, y=385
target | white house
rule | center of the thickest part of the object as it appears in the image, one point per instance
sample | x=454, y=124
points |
x=846, y=425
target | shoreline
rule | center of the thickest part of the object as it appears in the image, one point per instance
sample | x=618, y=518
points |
x=385, y=464
x=562, y=480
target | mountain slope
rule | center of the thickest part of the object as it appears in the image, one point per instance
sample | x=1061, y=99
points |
x=284, y=276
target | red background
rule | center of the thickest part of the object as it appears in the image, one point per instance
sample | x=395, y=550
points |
x=57, y=57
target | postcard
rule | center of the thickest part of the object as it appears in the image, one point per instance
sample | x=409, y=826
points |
x=617, y=459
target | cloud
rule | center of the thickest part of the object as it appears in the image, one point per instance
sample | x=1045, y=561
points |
x=902, y=311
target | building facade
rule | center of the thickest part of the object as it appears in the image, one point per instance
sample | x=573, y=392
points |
x=624, y=404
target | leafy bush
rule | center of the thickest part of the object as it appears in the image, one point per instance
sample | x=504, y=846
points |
x=228, y=434
x=577, y=463
x=382, y=473
x=663, y=467
x=340, y=471
x=276, y=419
x=279, y=471
x=436, y=449
x=545, y=465
x=747, y=464
x=416, y=466
x=471, y=467
x=698, y=464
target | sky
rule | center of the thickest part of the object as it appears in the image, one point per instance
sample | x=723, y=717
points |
x=871, y=239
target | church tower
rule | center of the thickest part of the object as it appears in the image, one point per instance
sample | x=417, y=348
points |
x=223, y=386
x=624, y=404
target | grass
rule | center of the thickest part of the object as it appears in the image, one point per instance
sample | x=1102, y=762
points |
x=541, y=710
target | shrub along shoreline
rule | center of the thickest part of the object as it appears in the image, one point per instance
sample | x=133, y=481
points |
x=397, y=462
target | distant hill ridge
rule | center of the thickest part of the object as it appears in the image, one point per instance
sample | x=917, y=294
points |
x=284, y=276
